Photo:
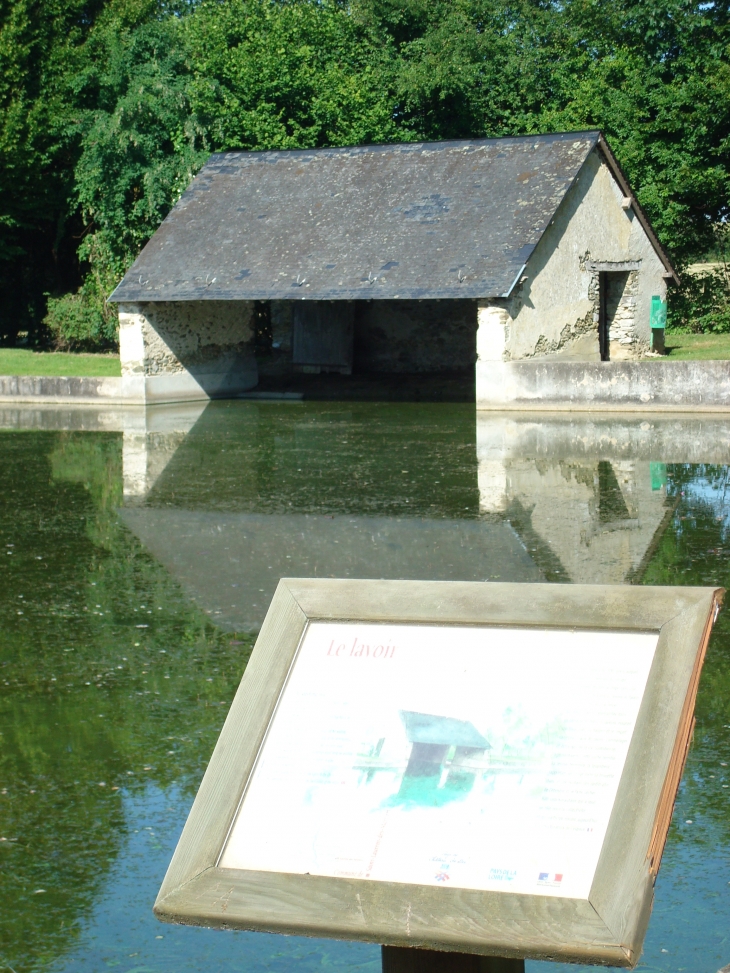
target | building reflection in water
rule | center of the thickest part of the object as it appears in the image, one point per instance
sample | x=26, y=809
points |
x=586, y=498
x=231, y=496
x=106, y=717
x=236, y=495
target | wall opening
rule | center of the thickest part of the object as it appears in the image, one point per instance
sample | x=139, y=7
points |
x=614, y=310
x=416, y=337
x=379, y=349
x=373, y=337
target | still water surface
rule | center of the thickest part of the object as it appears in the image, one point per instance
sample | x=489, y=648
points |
x=138, y=554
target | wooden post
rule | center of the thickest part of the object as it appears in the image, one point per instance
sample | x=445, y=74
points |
x=402, y=959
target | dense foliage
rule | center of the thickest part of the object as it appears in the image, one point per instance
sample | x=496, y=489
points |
x=108, y=109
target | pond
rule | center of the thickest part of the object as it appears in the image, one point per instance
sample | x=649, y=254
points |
x=139, y=551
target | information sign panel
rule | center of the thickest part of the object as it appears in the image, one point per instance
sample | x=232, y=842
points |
x=475, y=767
x=485, y=758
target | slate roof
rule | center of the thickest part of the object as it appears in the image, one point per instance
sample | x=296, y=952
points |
x=416, y=220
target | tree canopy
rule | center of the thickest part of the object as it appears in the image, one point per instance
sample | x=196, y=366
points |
x=108, y=109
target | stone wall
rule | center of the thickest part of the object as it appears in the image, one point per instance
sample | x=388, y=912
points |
x=173, y=351
x=624, y=339
x=554, y=312
x=60, y=391
x=167, y=337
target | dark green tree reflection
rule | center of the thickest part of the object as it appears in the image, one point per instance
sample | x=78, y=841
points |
x=695, y=550
x=109, y=680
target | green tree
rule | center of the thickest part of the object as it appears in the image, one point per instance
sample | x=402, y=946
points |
x=40, y=42
x=45, y=54
x=654, y=76
x=106, y=113
x=288, y=75
x=163, y=94
x=140, y=145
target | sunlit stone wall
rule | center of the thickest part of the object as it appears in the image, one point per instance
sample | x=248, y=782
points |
x=553, y=311
x=173, y=351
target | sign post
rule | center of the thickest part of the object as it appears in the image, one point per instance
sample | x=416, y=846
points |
x=399, y=960
x=467, y=773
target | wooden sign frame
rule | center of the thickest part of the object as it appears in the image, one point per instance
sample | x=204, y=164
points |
x=607, y=928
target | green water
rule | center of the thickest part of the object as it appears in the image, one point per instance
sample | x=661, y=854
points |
x=136, y=564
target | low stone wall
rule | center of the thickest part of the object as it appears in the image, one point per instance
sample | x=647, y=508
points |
x=186, y=350
x=644, y=386
x=169, y=352
x=62, y=391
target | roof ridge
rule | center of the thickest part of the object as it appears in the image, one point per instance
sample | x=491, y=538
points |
x=416, y=143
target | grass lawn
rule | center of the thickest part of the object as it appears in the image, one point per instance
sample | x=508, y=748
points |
x=21, y=361
x=697, y=347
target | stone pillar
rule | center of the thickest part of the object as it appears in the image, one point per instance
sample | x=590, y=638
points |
x=492, y=324
x=492, y=335
x=186, y=350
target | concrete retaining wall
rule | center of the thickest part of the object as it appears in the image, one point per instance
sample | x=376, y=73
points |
x=531, y=386
x=644, y=386
x=62, y=391
x=180, y=386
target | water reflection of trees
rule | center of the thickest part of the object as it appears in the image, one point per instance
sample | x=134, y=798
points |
x=87, y=584
x=695, y=550
x=91, y=705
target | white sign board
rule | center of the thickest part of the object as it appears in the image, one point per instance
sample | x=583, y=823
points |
x=470, y=767
x=478, y=758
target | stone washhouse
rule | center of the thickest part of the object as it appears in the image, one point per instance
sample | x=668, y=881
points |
x=527, y=259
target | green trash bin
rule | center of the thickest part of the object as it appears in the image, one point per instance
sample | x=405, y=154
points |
x=658, y=323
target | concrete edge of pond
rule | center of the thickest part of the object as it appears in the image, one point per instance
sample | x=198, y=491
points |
x=617, y=386
x=124, y=390
x=61, y=390
x=525, y=386
x=116, y=390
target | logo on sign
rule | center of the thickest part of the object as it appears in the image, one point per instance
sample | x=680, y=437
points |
x=549, y=878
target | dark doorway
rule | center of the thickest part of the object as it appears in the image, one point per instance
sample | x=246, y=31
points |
x=602, y=317
x=611, y=286
x=611, y=504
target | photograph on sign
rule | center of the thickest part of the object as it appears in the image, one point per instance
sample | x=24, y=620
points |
x=469, y=757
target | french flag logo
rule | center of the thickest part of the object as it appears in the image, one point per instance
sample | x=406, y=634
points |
x=549, y=878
